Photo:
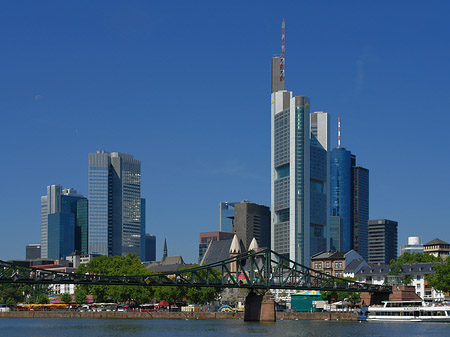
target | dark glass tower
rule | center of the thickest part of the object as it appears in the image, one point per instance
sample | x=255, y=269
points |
x=341, y=184
x=349, y=194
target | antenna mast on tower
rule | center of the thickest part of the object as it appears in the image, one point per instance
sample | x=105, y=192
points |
x=282, y=53
x=339, y=131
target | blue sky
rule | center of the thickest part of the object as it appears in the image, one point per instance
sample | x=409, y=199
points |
x=185, y=88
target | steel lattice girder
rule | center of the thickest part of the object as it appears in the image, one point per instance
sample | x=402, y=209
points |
x=263, y=269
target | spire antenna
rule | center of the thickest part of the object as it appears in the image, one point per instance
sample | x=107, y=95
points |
x=339, y=131
x=282, y=52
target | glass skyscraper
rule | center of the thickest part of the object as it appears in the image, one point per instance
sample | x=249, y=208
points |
x=63, y=222
x=299, y=173
x=114, y=189
x=226, y=216
x=341, y=184
x=349, y=192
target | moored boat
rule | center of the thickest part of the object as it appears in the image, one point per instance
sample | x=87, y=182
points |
x=405, y=311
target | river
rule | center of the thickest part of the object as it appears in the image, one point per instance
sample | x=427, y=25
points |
x=132, y=327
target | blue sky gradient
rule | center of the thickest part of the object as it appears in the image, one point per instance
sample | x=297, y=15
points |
x=185, y=88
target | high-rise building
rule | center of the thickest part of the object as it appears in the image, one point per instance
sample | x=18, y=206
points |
x=299, y=172
x=63, y=222
x=336, y=231
x=382, y=241
x=226, y=216
x=252, y=221
x=150, y=248
x=114, y=203
x=142, y=254
x=360, y=211
x=341, y=176
x=349, y=193
x=33, y=251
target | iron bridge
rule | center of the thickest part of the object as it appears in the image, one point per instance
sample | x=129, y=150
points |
x=260, y=269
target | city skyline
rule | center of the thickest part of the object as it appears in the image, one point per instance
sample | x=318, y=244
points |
x=63, y=89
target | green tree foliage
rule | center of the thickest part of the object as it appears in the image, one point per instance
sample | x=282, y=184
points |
x=201, y=295
x=66, y=298
x=43, y=299
x=15, y=292
x=80, y=294
x=349, y=296
x=409, y=258
x=129, y=265
x=441, y=278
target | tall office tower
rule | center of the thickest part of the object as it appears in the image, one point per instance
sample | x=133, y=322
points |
x=50, y=203
x=382, y=241
x=341, y=191
x=320, y=182
x=142, y=254
x=349, y=193
x=150, y=248
x=297, y=226
x=336, y=227
x=114, y=203
x=252, y=221
x=360, y=210
x=33, y=251
x=226, y=216
x=63, y=219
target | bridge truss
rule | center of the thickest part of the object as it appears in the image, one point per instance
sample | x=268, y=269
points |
x=260, y=269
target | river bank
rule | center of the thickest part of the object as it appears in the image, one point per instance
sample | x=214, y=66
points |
x=176, y=315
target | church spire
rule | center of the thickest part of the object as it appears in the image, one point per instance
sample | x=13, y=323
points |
x=165, y=250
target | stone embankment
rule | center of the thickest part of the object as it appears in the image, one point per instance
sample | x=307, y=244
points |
x=175, y=315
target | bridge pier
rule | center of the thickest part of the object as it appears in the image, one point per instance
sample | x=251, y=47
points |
x=259, y=308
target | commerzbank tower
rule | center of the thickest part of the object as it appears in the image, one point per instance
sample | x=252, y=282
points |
x=300, y=171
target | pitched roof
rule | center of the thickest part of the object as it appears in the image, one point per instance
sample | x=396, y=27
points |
x=353, y=266
x=329, y=255
x=436, y=242
x=217, y=251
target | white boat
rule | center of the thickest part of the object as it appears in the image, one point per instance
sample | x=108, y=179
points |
x=405, y=311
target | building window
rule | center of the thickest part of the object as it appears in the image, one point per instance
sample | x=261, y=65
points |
x=327, y=265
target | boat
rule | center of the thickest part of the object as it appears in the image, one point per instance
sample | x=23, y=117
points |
x=406, y=311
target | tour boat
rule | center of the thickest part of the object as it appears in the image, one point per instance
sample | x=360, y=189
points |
x=406, y=311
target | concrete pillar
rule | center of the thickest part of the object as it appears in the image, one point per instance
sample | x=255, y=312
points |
x=259, y=308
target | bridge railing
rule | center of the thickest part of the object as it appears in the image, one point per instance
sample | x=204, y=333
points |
x=260, y=269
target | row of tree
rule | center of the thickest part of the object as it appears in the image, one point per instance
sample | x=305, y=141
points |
x=130, y=265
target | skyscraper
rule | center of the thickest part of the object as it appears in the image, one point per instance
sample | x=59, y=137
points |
x=252, y=221
x=299, y=167
x=341, y=176
x=63, y=222
x=150, y=248
x=349, y=193
x=383, y=241
x=360, y=218
x=114, y=203
x=143, y=248
x=226, y=216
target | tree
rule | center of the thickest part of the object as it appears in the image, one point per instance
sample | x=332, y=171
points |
x=440, y=280
x=80, y=294
x=43, y=299
x=66, y=298
x=409, y=258
x=129, y=265
x=350, y=296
